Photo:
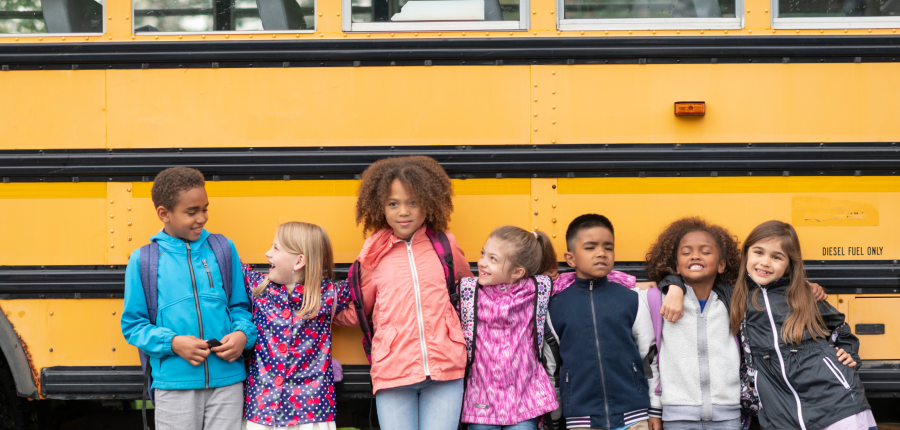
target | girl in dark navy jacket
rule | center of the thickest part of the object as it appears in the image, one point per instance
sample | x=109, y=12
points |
x=793, y=340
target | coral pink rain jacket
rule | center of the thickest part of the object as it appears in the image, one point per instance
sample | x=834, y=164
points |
x=417, y=331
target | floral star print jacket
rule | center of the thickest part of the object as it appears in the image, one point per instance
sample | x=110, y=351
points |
x=290, y=379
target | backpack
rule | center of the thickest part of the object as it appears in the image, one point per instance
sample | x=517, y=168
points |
x=468, y=316
x=149, y=277
x=468, y=313
x=445, y=253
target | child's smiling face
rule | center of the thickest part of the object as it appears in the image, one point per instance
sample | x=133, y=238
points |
x=186, y=220
x=699, y=260
x=493, y=266
x=284, y=267
x=402, y=212
x=593, y=253
x=767, y=261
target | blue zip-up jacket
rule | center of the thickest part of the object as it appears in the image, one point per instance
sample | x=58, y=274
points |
x=604, y=331
x=179, y=314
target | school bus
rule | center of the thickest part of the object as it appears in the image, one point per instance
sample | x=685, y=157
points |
x=540, y=110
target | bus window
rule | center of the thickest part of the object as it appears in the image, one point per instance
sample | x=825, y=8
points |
x=815, y=14
x=650, y=14
x=408, y=15
x=50, y=16
x=207, y=16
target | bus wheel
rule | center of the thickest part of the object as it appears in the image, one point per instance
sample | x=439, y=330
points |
x=16, y=413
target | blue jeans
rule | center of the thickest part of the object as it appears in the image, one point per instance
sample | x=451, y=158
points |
x=734, y=424
x=428, y=405
x=524, y=425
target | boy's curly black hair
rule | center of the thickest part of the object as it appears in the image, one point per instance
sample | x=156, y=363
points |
x=662, y=259
x=168, y=185
x=421, y=176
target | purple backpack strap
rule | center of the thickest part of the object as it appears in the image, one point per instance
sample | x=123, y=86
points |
x=468, y=297
x=543, y=286
x=222, y=250
x=654, y=300
x=368, y=330
x=441, y=245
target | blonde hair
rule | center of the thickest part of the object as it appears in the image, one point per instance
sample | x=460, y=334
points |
x=310, y=240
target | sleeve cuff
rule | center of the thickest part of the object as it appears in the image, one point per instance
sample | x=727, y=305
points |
x=655, y=413
x=167, y=343
x=248, y=330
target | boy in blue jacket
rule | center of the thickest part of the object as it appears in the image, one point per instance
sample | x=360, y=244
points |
x=196, y=386
x=605, y=336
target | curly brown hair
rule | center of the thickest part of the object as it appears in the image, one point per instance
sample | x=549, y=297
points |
x=421, y=176
x=662, y=259
x=168, y=185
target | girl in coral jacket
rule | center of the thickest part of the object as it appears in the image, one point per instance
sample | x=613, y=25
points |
x=418, y=351
x=290, y=385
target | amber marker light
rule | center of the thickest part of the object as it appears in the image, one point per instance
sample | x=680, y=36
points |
x=690, y=108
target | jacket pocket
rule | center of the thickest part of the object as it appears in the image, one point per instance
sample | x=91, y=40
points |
x=636, y=379
x=837, y=372
x=381, y=344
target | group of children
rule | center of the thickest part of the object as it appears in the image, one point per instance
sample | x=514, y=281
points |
x=517, y=347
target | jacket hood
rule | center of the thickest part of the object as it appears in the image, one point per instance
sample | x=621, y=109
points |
x=171, y=243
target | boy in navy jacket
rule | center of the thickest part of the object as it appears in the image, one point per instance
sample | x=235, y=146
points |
x=196, y=386
x=605, y=336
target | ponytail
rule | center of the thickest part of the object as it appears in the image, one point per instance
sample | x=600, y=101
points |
x=530, y=250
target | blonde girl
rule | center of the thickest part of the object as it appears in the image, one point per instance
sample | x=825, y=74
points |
x=291, y=380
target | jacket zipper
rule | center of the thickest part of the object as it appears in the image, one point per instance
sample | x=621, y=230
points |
x=208, y=274
x=599, y=356
x=419, y=318
x=781, y=359
x=199, y=315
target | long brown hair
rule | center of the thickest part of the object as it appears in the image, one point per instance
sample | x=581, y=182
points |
x=531, y=251
x=804, y=314
x=311, y=241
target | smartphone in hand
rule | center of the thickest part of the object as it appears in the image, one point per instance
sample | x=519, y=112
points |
x=212, y=343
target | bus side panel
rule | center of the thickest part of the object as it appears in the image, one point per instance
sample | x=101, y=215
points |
x=640, y=208
x=872, y=310
x=796, y=102
x=53, y=109
x=318, y=106
x=53, y=224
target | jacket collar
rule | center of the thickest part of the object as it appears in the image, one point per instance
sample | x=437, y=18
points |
x=780, y=282
x=171, y=243
x=586, y=283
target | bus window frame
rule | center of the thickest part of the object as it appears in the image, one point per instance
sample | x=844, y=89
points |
x=829, y=23
x=182, y=33
x=348, y=26
x=736, y=23
x=102, y=15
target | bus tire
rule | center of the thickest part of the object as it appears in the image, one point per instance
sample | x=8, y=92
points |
x=16, y=413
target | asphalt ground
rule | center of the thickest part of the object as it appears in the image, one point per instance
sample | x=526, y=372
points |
x=93, y=415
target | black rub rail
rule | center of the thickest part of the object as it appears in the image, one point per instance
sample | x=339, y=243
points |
x=74, y=282
x=436, y=52
x=495, y=161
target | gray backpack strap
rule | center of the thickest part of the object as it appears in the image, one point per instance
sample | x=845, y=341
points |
x=222, y=250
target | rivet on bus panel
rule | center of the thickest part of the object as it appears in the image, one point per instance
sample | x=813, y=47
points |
x=112, y=216
x=111, y=231
x=553, y=107
x=554, y=234
x=109, y=18
x=551, y=11
x=392, y=34
x=338, y=14
x=41, y=38
x=766, y=10
x=726, y=31
x=535, y=84
x=439, y=33
x=129, y=239
x=17, y=39
x=51, y=313
x=510, y=33
x=553, y=205
x=203, y=36
x=749, y=31
x=132, y=37
x=605, y=32
x=464, y=33
x=63, y=38
x=487, y=33
x=798, y=31
x=535, y=199
x=51, y=349
x=111, y=201
x=416, y=34
x=251, y=36
x=155, y=37
x=320, y=13
x=127, y=17
x=553, y=220
x=273, y=36
x=552, y=122
x=535, y=129
x=553, y=141
x=845, y=30
x=553, y=92
x=629, y=31
x=368, y=34
x=535, y=99
x=179, y=36
x=654, y=32
x=112, y=245
x=553, y=72
x=870, y=30
x=558, y=32
x=113, y=312
x=701, y=31
x=534, y=12
x=129, y=223
x=748, y=10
